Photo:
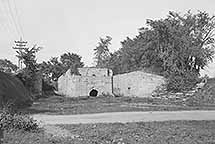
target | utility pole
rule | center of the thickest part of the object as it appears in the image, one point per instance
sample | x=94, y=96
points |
x=20, y=45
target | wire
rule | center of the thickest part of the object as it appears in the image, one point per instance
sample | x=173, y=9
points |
x=8, y=16
x=18, y=18
x=13, y=17
x=6, y=20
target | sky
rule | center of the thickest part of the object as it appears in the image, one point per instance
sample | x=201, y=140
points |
x=75, y=26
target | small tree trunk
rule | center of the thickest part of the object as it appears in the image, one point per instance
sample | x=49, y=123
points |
x=1, y=136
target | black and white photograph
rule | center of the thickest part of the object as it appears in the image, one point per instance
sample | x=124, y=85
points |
x=107, y=72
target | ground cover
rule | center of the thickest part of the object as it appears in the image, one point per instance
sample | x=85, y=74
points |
x=173, y=132
x=59, y=105
x=206, y=95
x=23, y=137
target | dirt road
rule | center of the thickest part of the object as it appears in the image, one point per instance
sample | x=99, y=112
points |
x=124, y=117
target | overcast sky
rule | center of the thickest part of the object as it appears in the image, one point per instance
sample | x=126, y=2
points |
x=75, y=25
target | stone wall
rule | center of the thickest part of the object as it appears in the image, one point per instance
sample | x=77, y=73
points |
x=63, y=83
x=83, y=85
x=98, y=72
x=74, y=85
x=136, y=83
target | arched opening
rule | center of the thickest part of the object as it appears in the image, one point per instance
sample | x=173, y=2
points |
x=93, y=93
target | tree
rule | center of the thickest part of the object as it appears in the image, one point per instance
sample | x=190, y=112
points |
x=71, y=61
x=28, y=74
x=7, y=66
x=102, y=53
x=55, y=67
x=176, y=47
x=115, y=62
x=184, y=43
x=52, y=69
x=28, y=56
x=13, y=96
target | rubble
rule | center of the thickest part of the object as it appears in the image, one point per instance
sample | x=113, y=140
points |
x=162, y=93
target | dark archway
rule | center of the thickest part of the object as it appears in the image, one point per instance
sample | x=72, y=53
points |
x=93, y=93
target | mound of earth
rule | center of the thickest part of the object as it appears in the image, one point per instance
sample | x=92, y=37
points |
x=12, y=91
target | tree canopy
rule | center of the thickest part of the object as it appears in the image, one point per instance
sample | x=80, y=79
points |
x=102, y=53
x=55, y=67
x=7, y=66
x=29, y=73
x=179, y=45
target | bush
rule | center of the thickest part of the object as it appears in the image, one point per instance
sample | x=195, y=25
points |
x=10, y=121
x=205, y=95
x=181, y=82
x=32, y=82
x=13, y=92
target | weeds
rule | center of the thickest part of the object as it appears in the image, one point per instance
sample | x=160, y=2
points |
x=15, y=121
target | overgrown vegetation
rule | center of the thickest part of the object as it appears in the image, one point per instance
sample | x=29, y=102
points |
x=205, y=96
x=172, y=132
x=186, y=132
x=14, y=121
x=7, y=66
x=177, y=47
x=50, y=71
x=11, y=123
x=31, y=70
x=25, y=137
x=102, y=53
x=13, y=93
x=55, y=67
x=57, y=105
x=182, y=82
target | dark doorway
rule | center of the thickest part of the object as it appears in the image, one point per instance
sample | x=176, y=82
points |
x=93, y=93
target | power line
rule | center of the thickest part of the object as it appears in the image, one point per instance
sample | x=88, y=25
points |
x=13, y=17
x=6, y=11
x=2, y=22
x=18, y=18
x=6, y=19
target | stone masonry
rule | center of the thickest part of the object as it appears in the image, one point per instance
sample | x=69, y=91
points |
x=101, y=80
x=89, y=79
x=137, y=83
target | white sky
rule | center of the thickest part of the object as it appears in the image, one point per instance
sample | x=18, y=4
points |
x=75, y=25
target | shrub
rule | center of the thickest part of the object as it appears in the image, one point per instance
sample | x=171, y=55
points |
x=181, y=82
x=13, y=92
x=205, y=95
x=10, y=121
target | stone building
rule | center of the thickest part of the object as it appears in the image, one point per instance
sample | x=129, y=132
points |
x=98, y=81
x=136, y=84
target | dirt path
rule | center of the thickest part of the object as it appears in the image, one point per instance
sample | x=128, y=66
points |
x=124, y=117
